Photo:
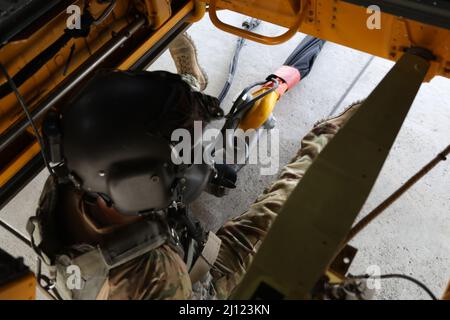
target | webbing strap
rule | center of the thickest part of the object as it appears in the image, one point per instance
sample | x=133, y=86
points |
x=207, y=258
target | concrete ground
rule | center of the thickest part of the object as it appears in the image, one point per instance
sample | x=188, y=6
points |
x=412, y=236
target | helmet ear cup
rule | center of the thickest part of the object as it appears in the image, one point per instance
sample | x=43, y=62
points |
x=134, y=186
x=197, y=179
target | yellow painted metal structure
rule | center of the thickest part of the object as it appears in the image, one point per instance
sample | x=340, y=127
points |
x=23, y=288
x=292, y=29
x=446, y=295
x=17, y=282
x=336, y=21
x=157, y=35
x=346, y=24
x=16, y=54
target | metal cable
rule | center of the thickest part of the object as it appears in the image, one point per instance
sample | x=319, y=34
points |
x=400, y=276
x=337, y=105
x=15, y=233
x=364, y=222
x=30, y=118
x=249, y=24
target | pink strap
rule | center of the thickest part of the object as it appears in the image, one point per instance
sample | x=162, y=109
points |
x=290, y=77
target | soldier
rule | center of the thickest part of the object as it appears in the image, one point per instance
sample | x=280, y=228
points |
x=93, y=225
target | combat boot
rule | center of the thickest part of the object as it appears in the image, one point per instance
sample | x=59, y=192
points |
x=343, y=117
x=184, y=54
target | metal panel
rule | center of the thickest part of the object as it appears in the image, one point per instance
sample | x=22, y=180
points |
x=345, y=23
x=435, y=12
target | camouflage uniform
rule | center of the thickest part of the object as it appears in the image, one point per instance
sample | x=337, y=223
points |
x=161, y=274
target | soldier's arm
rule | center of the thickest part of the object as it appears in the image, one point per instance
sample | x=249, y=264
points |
x=242, y=236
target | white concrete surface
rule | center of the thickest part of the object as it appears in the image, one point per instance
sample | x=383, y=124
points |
x=411, y=237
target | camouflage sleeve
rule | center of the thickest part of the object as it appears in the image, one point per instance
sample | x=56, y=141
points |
x=242, y=236
x=160, y=274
